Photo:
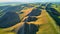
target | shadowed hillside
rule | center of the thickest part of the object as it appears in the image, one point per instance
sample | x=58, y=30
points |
x=9, y=19
x=54, y=14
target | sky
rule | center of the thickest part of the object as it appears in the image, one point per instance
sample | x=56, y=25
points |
x=29, y=0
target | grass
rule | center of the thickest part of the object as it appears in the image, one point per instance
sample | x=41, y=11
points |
x=50, y=27
x=46, y=22
x=57, y=8
x=58, y=16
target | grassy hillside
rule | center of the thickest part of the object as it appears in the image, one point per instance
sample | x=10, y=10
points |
x=47, y=18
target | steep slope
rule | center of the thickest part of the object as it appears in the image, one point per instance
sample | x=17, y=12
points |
x=48, y=25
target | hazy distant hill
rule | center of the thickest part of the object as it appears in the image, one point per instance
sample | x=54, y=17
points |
x=10, y=3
